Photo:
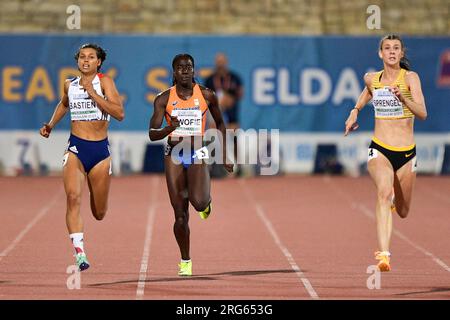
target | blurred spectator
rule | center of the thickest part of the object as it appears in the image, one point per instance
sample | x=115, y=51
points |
x=228, y=88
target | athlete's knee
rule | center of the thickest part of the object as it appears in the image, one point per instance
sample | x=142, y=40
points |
x=385, y=195
x=98, y=209
x=402, y=211
x=73, y=199
x=198, y=203
x=181, y=221
x=99, y=215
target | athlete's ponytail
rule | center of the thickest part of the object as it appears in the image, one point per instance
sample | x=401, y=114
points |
x=404, y=62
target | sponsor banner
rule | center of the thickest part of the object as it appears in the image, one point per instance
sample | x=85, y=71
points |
x=294, y=84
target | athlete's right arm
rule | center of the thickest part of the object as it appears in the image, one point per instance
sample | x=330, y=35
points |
x=155, y=132
x=60, y=110
x=351, y=124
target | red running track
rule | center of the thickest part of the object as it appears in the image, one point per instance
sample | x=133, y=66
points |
x=291, y=237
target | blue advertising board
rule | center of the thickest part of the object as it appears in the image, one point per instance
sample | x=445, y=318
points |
x=295, y=84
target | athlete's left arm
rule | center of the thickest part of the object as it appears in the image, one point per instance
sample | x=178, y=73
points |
x=112, y=104
x=213, y=105
x=417, y=104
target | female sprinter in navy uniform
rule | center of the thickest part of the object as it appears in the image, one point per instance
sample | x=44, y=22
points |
x=91, y=98
x=397, y=98
x=185, y=105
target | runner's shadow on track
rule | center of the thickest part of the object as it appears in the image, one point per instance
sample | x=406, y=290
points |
x=199, y=277
x=432, y=290
x=153, y=280
x=251, y=272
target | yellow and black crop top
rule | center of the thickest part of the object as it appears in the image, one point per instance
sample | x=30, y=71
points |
x=386, y=105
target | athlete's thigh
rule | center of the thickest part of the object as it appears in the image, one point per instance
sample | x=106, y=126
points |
x=73, y=174
x=199, y=184
x=99, y=180
x=176, y=184
x=404, y=181
x=381, y=171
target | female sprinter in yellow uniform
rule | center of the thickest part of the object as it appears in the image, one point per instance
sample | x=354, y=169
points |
x=184, y=106
x=91, y=99
x=397, y=98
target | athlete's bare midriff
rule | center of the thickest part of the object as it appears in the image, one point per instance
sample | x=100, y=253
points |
x=395, y=132
x=195, y=141
x=94, y=130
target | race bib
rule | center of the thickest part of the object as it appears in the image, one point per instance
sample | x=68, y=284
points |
x=85, y=110
x=190, y=122
x=65, y=158
x=386, y=104
x=414, y=164
x=372, y=154
x=202, y=153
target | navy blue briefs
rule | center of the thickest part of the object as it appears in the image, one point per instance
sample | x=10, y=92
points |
x=187, y=158
x=89, y=152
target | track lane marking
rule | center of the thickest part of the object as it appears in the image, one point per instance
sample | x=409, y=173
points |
x=44, y=210
x=148, y=240
x=261, y=214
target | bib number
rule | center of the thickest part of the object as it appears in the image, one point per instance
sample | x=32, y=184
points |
x=190, y=122
x=372, y=154
x=386, y=104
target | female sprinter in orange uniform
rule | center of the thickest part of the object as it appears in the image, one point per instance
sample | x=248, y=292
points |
x=397, y=98
x=184, y=106
x=91, y=99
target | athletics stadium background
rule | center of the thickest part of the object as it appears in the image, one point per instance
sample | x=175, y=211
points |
x=302, y=80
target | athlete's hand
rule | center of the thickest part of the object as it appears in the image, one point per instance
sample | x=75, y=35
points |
x=45, y=130
x=87, y=86
x=398, y=94
x=175, y=123
x=351, y=124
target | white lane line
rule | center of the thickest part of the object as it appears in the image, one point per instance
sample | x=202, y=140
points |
x=441, y=263
x=367, y=212
x=30, y=225
x=148, y=240
x=276, y=238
